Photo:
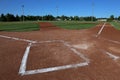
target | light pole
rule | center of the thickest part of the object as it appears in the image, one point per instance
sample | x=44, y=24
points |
x=92, y=11
x=42, y=15
x=23, y=12
x=56, y=12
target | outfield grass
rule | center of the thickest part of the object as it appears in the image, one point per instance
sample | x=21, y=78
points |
x=32, y=26
x=18, y=26
x=74, y=24
x=116, y=25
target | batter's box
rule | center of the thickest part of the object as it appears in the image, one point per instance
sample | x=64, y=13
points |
x=50, y=56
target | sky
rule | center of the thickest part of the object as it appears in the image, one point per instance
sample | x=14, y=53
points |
x=97, y=8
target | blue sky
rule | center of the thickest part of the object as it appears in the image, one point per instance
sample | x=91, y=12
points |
x=102, y=8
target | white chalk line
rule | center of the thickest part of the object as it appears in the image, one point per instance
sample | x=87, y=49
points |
x=51, y=69
x=23, y=65
x=24, y=59
x=72, y=48
x=100, y=31
x=18, y=39
x=113, y=57
x=30, y=41
x=23, y=71
x=113, y=41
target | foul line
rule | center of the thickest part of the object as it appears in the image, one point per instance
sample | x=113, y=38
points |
x=100, y=31
x=18, y=39
x=113, y=41
x=114, y=57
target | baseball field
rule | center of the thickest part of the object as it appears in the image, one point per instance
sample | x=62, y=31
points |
x=59, y=50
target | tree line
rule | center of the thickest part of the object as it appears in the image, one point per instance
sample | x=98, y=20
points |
x=111, y=18
x=11, y=17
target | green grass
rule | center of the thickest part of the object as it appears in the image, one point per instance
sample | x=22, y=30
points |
x=74, y=24
x=18, y=26
x=32, y=26
x=116, y=25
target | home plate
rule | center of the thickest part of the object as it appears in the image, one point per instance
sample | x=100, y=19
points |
x=84, y=45
x=51, y=56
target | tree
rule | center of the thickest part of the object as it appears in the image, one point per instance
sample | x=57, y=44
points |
x=62, y=17
x=17, y=18
x=76, y=18
x=81, y=18
x=119, y=18
x=22, y=18
x=87, y=18
x=2, y=18
x=112, y=17
x=10, y=17
x=50, y=17
x=71, y=18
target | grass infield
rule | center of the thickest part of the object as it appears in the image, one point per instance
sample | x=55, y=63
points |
x=116, y=25
x=34, y=25
x=74, y=24
x=19, y=26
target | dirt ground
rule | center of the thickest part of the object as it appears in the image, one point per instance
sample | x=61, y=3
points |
x=98, y=50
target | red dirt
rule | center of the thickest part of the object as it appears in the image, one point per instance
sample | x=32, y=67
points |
x=101, y=66
x=58, y=55
x=47, y=26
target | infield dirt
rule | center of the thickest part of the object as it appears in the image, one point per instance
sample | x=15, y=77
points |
x=101, y=66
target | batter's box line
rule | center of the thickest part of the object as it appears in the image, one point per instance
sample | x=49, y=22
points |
x=18, y=39
x=111, y=55
x=113, y=41
x=22, y=70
